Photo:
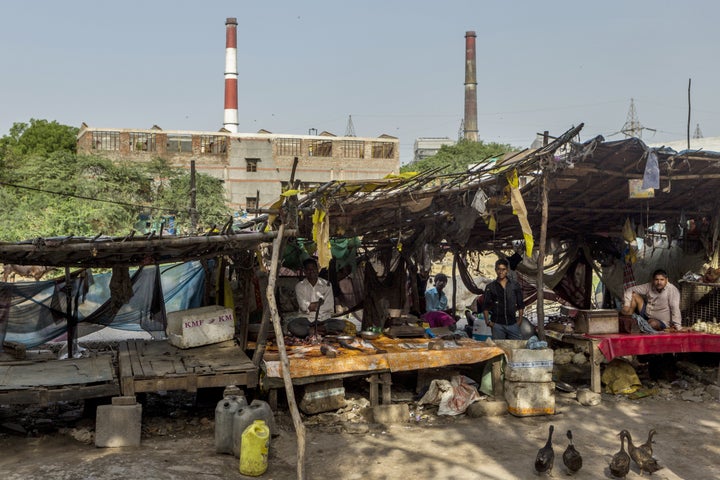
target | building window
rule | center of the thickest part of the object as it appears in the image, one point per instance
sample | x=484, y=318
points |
x=251, y=164
x=251, y=203
x=179, y=144
x=320, y=148
x=106, y=140
x=142, y=142
x=213, y=144
x=288, y=147
x=383, y=150
x=353, y=149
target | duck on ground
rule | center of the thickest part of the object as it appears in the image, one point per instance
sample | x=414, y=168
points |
x=642, y=459
x=620, y=463
x=647, y=446
x=546, y=455
x=571, y=457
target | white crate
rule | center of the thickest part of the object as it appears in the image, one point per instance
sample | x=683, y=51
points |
x=525, y=365
x=527, y=399
x=200, y=326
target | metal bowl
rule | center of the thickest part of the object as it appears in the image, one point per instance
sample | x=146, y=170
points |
x=345, y=338
x=368, y=335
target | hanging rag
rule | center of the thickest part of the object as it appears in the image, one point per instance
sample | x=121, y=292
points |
x=520, y=210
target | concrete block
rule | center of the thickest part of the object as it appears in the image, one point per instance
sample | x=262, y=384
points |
x=387, y=414
x=118, y=425
x=323, y=397
x=487, y=409
x=200, y=326
x=128, y=400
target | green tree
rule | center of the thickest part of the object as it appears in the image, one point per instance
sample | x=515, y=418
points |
x=48, y=190
x=38, y=137
x=456, y=158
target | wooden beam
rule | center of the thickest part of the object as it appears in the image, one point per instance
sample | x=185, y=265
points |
x=285, y=362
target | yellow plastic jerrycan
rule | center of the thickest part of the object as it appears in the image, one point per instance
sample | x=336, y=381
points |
x=254, y=449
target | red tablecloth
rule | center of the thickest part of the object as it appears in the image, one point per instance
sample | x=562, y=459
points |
x=618, y=345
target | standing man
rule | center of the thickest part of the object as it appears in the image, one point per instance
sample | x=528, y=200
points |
x=658, y=302
x=503, y=298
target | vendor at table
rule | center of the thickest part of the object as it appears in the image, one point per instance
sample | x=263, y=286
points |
x=315, y=301
x=436, y=304
x=314, y=294
x=657, y=302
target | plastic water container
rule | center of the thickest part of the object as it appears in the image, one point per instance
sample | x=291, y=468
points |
x=224, y=414
x=254, y=449
x=245, y=416
x=481, y=331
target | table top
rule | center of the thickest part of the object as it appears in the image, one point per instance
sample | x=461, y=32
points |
x=401, y=354
x=619, y=344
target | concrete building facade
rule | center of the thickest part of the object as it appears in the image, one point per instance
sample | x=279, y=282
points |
x=254, y=167
x=428, y=146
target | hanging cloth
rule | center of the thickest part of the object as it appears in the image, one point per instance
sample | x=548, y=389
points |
x=520, y=210
x=321, y=236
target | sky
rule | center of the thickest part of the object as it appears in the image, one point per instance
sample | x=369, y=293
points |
x=396, y=67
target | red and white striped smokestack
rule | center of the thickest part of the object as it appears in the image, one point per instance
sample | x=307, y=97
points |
x=471, y=127
x=231, y=74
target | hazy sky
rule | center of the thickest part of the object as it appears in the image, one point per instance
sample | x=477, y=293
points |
x=396, y=66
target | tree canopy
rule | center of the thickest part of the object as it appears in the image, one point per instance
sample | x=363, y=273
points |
x=46, y=189
x=456, y=158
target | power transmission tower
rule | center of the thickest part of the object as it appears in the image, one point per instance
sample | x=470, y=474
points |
x=698, y=132
x=632, y=126
x=350, y=129
x=461, y=130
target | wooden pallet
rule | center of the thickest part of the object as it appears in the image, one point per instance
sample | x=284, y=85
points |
x=151, y=366
x=43, y=381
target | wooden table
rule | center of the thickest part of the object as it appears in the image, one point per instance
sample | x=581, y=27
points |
x=603, y=348
x=309, y=365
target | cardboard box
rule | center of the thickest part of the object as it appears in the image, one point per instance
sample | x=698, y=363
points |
x=597, y=321
x=200, y=326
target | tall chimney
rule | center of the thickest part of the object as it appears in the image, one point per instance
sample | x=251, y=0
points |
x=470, y=132
x=231, y=101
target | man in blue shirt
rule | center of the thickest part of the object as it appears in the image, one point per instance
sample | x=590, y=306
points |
x=436, y=304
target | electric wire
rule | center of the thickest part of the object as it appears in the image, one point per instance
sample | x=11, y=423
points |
x=82, y=197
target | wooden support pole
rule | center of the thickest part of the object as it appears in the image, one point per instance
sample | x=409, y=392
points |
x=264, y=323
x=71, y=319
x=284, y=361
x=540, y=281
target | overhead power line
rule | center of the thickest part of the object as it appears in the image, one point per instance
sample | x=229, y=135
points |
x=70, y=195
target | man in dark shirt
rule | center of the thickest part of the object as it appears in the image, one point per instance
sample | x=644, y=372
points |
x=503, y=298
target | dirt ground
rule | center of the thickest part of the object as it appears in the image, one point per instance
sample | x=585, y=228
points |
x=56, y=442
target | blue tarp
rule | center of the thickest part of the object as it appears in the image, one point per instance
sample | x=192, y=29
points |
x=35, y=312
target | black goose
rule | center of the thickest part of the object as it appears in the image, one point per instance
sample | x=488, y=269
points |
x=545, y=456
x=641, y=457
x=647, y=446
x=571, y=457
x=620, y=463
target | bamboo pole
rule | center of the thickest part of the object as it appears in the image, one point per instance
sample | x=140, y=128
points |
x=285, y=362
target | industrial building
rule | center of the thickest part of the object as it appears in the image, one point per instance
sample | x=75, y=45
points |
x=253, y=166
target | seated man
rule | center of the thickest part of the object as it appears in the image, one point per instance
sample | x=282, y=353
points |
x=438, y=313
x=315, y=300
x=658, y=302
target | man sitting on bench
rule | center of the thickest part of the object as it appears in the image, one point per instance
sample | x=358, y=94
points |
x=658, y=302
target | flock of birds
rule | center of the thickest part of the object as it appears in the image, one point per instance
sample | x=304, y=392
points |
x=619, y=465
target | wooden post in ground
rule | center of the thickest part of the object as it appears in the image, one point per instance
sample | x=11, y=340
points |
x=540, y=281
x=284, y=361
